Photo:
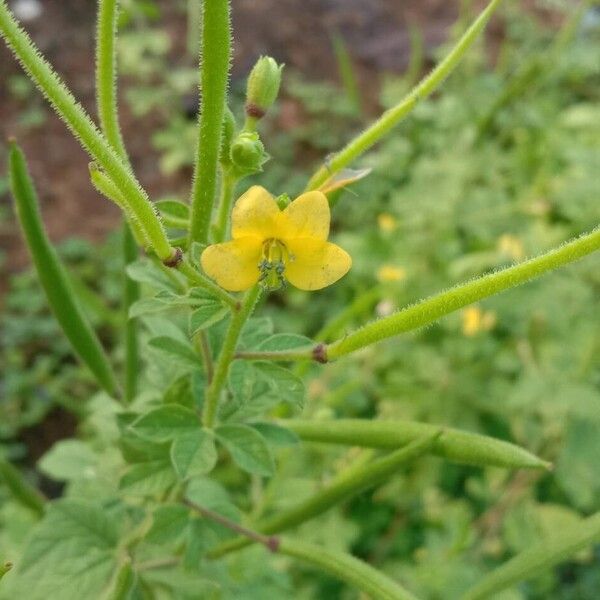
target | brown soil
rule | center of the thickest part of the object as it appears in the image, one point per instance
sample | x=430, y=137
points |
x=296, y=32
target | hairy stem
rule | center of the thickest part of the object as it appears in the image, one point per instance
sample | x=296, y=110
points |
x=80, y=124
x=216, y=49
x=106, y=75
x=226, y=355
x=106, y=100
x=394, y=115
x=437, y=306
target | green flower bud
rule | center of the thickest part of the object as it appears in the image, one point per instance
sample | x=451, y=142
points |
x=263, y=86
x=247, y=154
x=229, y=127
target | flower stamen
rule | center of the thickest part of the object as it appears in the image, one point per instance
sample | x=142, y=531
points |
x=275, y=256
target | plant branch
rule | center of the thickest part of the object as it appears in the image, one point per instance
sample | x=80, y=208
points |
x=435, y=307
x=393, y=116
x=226, y=355
x=80, y=124
x=271, y=543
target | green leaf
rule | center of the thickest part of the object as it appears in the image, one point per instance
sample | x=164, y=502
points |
x=241, y=378
x=194, y=453
x=176, y=351
x=68, y=460
x=145, y=271
x=184, y=584
x=70, y=554
x=166, y=423
x=169, y=523
x=285, y=384
x=173, y=208
x=212, y=495
x=148, y=479
x=276, y=435
x=247, y=448
x=284, y=341
x=537, y=558
x=205, y=316
x=255, y=331
x=167, y=300
x=53, y=277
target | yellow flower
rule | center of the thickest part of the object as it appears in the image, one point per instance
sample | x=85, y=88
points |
x=272, y=245
x=511, y=246
x=390, y=273
x=387, y=223
x=476, y=320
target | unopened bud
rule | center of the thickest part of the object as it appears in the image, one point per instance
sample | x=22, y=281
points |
x=248, y=153
x=263, y=87
x=228, y=132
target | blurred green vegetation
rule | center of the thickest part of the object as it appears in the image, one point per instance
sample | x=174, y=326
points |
x=502, y=165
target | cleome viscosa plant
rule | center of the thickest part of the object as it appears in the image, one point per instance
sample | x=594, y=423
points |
x=202, y=404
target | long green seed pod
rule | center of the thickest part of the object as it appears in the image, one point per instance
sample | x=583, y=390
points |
x=346, y=567
x=346, y=485
x=52, y=276
x=453, y=444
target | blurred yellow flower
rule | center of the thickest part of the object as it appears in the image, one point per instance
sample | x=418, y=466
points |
x=271, y=245
x=387, y=223
x=511, y=246
x=387, y=273
x=475, y=320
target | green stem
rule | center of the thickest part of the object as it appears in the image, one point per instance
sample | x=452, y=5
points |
x=226, y=355
x=393, y=116
x=80, y=124
x=196, y=278
x=106, y=99
x=106, y=75
x=228, y=183
x=346, y=485
x=283, y=355
x=347, y=568
x=131, y=293
x=433, y=308
x=216, y=49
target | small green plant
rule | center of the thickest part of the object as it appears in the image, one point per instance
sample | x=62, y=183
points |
x=199, y=417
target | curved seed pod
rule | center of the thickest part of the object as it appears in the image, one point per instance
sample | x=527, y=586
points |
x=453, y=444
x=52, y=276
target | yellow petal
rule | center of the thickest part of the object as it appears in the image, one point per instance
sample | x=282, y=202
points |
x=233, y=265
x=255, y=214
x=307, y=216
x=315, y=264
